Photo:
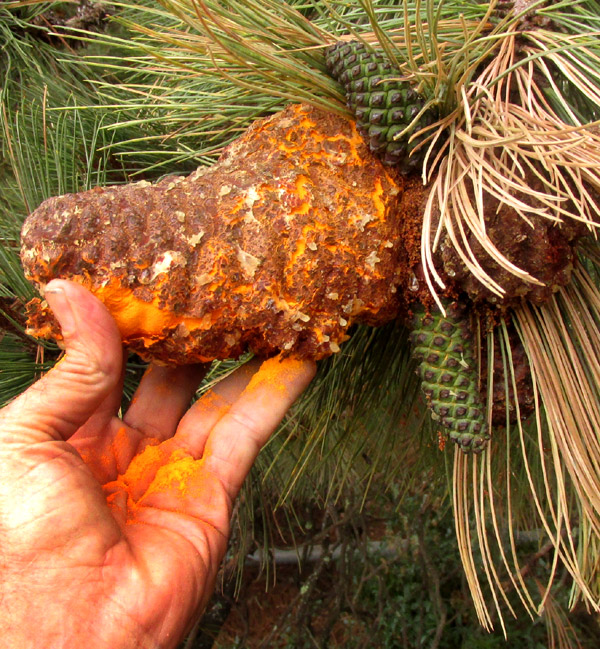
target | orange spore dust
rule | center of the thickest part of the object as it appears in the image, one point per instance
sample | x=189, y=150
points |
x=276, y=373
x=137, y=318
x=119, y=447
x=158, y=470
x=143, y=467
x=178, y=476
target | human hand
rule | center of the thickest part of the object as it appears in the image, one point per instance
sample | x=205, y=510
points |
x=112, y=531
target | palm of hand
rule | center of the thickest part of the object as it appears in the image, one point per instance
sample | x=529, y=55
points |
x=114, y=537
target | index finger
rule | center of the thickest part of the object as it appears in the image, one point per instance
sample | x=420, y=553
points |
x=245, y=426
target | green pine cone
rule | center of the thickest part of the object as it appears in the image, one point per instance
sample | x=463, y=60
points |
x=383, y=106
x=444, y=347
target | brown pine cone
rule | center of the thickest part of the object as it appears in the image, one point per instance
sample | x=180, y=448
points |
x=522, y=378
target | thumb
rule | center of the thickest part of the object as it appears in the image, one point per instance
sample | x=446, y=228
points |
x=65, y=398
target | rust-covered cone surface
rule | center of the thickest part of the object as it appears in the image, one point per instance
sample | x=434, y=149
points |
x=291, y=237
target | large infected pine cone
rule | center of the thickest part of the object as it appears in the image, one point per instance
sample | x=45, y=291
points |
x=291, y=237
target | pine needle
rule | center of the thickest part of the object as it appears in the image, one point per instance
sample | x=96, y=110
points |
x=509, y=133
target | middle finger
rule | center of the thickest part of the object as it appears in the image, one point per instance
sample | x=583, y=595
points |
x=161, y=399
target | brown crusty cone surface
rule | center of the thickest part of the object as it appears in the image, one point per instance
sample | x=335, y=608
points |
x=284, y=243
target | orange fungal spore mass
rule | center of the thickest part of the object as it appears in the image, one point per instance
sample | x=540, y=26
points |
x=271, y=375
x=143, y=467
x=155, y=469
x=176, y=475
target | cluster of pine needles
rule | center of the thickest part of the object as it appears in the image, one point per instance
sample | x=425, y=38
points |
x=164, y=85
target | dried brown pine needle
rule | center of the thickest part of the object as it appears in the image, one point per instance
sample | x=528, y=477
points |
x=511, y=145
x=558, y=459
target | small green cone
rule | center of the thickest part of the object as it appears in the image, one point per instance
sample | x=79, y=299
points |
x=383, y=105
x=444, y=348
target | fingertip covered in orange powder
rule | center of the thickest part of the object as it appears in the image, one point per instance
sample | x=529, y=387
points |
x=213, y=402
x=278, y=374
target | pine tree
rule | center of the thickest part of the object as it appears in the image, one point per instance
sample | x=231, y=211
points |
x=500, y=181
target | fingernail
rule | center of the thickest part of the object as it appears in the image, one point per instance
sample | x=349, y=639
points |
x=61, y=307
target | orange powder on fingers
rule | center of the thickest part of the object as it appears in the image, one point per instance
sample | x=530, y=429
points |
x=156, y=470
x=175, y=476
x=277, y=374
x=184, y=485
x=139, y=474
x=211, y=407
x=144, y=465
x=214, y=400
x=176, y=473
x=187, y=487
